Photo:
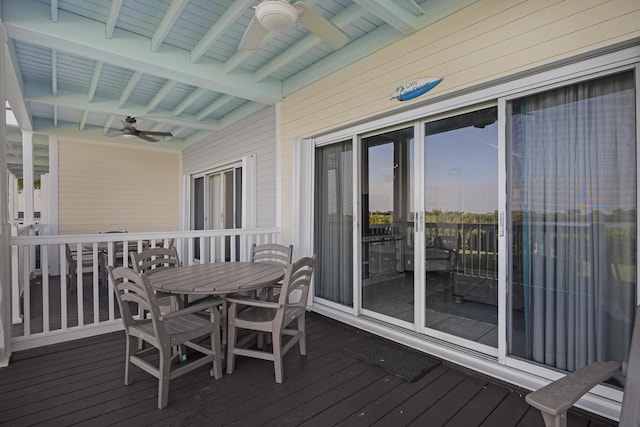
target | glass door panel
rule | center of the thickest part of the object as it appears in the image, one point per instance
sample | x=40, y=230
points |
x=573, y=198
x=461, y=240
x=387, y=224
x=217, y=205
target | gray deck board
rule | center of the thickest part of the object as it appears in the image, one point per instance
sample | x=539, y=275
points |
x=82, y=383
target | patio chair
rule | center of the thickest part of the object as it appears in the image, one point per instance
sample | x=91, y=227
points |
x=555, y=399
x=154, y=260
x=72, y=265
x=271, y=253
x=164, y=332
x=273, y=317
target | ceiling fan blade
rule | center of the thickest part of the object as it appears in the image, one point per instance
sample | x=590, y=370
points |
x=321, y=26
x=253, y=36
x=150, y=132
x=141, y=135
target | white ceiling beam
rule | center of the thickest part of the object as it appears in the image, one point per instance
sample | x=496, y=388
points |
x=222, y=24
x=112, y=19
x=240, y=113
x=161, y=94
x=28, y=21
x=73, y=100
x=216, y=104
x=54, y=71
x=14, y=88
x=341, y=20
x=169, y=18
x=83, y=119
x=392, y=13
x=95, y=78
x=108, y=122
x=54, y=10
x=193, y=96
x=131, y=85
x=417, y=6
x=70, y=130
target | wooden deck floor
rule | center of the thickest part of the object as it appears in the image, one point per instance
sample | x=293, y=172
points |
x=81, y=383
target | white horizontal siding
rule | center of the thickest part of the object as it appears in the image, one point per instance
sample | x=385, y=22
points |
x=488, y=40
x=255, y=134
x=115, y=187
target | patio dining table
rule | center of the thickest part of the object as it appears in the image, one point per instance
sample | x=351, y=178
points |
x=218, y=278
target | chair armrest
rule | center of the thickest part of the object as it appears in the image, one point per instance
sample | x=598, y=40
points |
x=556, y=398
x=254, y=302
x=192, y=309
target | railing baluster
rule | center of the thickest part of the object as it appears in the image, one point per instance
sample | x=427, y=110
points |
x=44, y=280
x=26, y=300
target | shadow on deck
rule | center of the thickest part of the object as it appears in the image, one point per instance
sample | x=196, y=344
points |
x=81, y=382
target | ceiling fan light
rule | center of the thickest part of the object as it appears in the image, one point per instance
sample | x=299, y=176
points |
x=276, y=15
x=129, y=136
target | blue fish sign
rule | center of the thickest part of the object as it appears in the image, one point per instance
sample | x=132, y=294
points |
x=415, y=88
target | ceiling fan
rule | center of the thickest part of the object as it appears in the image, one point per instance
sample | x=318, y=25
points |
x=278, y=15
x=129, y=131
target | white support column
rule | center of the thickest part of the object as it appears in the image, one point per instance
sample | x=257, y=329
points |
x=5, y=230
x=52, y=207
x=27, y=188
x=27, y=175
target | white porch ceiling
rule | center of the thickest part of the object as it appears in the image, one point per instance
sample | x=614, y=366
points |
x=78, y=67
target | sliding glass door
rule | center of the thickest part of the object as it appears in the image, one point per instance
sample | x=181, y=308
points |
x=461, y=224
x=413, y=240
x=387, y=223
x=573, y=198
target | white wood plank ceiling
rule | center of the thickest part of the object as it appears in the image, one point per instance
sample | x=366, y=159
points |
x=79, y=67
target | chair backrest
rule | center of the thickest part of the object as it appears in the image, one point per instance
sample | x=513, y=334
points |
x=272, y=253
x=135, y=295
x=154, y=260
x=295, y=287
x=630, y=414
x=70, y=259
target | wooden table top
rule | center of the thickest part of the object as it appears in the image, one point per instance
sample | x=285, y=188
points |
x=218, y=278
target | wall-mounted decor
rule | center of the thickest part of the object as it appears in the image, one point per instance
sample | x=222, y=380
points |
x=414, y=88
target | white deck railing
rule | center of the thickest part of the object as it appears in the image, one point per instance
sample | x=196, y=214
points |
x=46, y=307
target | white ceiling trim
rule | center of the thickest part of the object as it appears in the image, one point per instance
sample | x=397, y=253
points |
x=28, y=21
x=221, y=25
x=73, y=100
x=95, y=78
x=160, y=95
x=393, y=14
x=169, y=18
x=112, y=19
x=14, y=88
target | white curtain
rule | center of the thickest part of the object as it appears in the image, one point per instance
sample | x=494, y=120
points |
x=333, y=234
x=573, y=197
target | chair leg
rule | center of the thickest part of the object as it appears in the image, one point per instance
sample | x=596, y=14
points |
x=127, y=363
x=163, y=377
x=231, y=343
x=302, y=342
x=215, y=344
x=277, y=355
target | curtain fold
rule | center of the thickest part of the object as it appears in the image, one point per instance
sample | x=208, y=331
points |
x=334, y=223
x=574, y=199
